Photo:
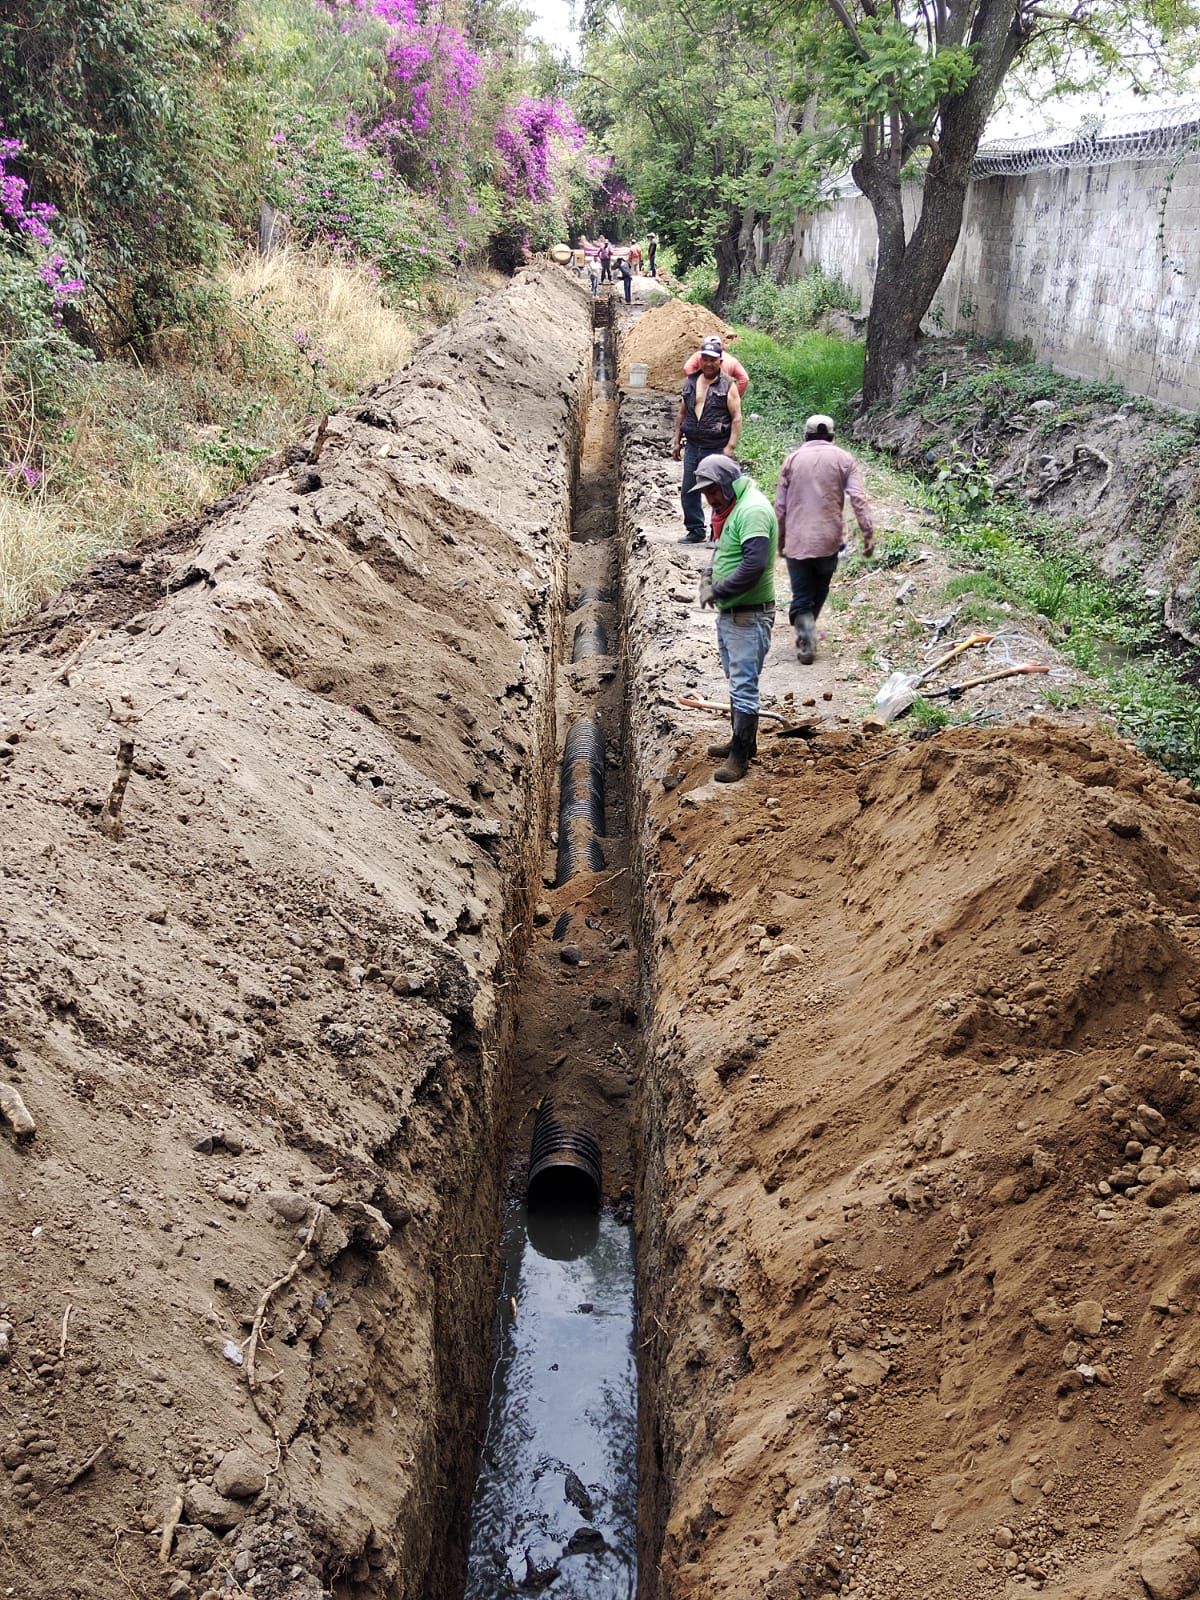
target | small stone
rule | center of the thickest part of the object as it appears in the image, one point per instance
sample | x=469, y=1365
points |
x=569, y=955
x=541, y=914
x=181, y=1589
x=240, y=1475
x=1153, y=1120
x=890, y=1479
x=1004, y=1538
x=1167, y=1188
x=335, y=962
x=212, y=1510
x=782, y=959
x=940, y=1521
x=1087, y=1318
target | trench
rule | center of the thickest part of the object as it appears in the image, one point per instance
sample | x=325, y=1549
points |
x=554, y=1508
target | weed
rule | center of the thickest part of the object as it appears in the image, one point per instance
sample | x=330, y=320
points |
x=928, y=716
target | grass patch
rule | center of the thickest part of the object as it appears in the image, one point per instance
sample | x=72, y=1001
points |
x=1108, y=628
x=139, y=448
x=788, y=382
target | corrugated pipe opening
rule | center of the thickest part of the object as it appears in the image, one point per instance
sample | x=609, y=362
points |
x=564, y=1164
x=581, y=801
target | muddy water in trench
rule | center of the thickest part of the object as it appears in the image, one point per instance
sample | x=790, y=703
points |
x=555, y=1508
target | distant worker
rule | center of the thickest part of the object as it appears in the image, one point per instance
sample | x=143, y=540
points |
x=594, y=274
x=730, y=365
x=709, y=420
x=810, y=505
x=652, y=251
x=625, y=272
x=605, y=254
x=635, y=256
x=741, y=585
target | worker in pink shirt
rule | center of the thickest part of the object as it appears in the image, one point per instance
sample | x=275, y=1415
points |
x=814, y=484
x=731, y=367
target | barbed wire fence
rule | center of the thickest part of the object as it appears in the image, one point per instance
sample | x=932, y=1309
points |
x=1098, y=141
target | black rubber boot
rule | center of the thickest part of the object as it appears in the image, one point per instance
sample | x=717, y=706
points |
x=742, y=748
x=724, y=748
x=805, y=625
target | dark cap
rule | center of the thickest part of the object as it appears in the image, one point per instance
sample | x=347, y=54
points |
x=717, y=471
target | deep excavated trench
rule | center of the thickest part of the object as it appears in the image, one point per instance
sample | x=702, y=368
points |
x=556, y=1500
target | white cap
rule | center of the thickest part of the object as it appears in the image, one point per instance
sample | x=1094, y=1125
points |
x=816, y=422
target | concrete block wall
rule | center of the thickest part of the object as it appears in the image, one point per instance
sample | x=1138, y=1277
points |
x=1070, y=259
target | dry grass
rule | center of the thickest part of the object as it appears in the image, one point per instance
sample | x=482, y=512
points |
x=143, y=447
x=338, y=304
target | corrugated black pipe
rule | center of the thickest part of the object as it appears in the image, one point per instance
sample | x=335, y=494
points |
x=591, y=639
x=564, y=1163
x=581, y=801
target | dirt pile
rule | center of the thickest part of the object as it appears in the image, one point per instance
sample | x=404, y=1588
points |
x=260, y=1020
x=922, y=1114
x=665, y=337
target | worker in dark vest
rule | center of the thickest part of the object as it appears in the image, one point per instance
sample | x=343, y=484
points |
x=709, y=423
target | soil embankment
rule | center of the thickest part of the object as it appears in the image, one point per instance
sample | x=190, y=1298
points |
x=1120, y=474
x=921, y=1128
x=262, y=1017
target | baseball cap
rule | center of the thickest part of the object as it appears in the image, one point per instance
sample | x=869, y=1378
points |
x=721, y=471
x=712, y=346
x=817, y=421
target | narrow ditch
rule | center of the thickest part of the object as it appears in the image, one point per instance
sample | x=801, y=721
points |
x=555, y=1502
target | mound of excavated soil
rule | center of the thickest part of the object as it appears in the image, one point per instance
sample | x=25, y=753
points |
x=664, y=339
x=263, y=1029
x=919, y=1286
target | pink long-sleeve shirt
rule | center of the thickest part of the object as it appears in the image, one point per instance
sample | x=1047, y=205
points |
x=814, y=485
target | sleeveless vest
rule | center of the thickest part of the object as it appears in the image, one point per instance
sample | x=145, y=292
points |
x=711, y=429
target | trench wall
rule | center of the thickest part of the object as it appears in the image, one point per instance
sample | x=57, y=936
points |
x=277, y=1008
x=1094, y=266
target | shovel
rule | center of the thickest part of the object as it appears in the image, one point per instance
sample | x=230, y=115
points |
x=955, y=691
x=897, y=692
x=785, y=730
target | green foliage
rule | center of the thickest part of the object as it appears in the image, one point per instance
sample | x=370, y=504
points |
x=126, y=136
x=789, y=383
x=929, y=716
x=1108, y=628
x=787, y=310
x=695, y=105
x=700, y=284
x=882, y=67
x=340, y=193
x=961, y=491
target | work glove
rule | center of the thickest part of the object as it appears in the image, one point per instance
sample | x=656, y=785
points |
x=707, y=597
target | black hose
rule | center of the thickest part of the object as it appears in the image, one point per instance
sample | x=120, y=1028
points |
x=581, y=801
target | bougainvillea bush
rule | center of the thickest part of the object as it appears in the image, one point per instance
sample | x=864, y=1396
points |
x=340, y=192
x=37, y=283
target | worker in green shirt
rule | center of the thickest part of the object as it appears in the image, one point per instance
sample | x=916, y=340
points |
x=740, y=584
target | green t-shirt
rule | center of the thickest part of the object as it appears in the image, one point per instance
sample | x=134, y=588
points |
x=752, y=517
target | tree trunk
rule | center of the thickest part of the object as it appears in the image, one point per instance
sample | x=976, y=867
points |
x=909, y=273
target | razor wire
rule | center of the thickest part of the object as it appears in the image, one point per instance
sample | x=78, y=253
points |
x=1097, y=142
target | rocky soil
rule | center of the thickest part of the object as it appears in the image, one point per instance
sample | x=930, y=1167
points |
x=921, y=1141
x=272, y=790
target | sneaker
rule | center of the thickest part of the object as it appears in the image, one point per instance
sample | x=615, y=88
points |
x=692, y=538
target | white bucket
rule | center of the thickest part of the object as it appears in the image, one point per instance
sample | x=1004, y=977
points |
x=639, y=371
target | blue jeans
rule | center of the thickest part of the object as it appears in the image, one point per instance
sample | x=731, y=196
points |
x=811, y=577
x=743, y=639
x=693, y=504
